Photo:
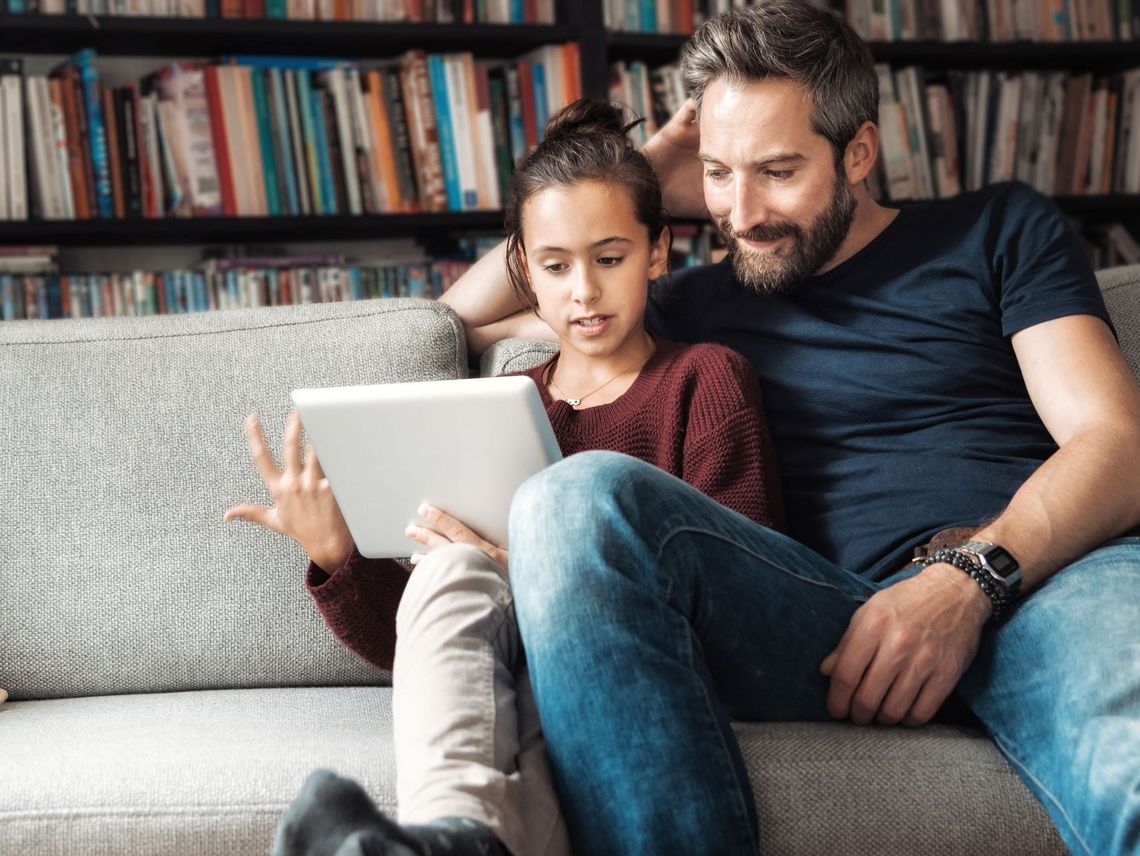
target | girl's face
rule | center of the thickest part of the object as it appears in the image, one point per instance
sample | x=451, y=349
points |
x=589, y=261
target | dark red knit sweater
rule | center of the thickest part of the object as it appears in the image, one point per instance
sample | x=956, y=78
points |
x=694, y=411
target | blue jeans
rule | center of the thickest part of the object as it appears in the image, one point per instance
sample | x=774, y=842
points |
x=651, y=616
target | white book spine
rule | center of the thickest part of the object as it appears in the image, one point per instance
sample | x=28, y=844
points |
x=339, y=92
x=14, y=130
x=464, y=132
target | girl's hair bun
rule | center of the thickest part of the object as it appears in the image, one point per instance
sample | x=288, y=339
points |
x=589, y=116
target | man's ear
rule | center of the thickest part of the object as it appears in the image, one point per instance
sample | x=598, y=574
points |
x=659, y=254
x=862, y=152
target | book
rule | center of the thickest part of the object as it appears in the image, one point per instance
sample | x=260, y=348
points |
x=96, y=133
x=14, y=182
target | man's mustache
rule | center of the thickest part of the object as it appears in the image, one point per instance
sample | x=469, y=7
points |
x=763, y=232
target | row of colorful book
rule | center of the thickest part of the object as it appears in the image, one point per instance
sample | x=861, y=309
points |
x=272, y=136
x=995, y=20
x=673, y=17
x=429, y=11
x=1064, y=134
x=222, y=284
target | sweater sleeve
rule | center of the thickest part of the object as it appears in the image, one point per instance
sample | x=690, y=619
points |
x=358, y=603
x=728, y=452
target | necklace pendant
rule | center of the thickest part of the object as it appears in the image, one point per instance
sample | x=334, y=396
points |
x=573, y=402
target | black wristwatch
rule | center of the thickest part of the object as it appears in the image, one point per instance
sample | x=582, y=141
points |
x=997, y=562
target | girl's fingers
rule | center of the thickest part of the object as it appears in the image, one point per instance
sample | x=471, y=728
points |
x=313, y=464
x=457, y=532
x=259, y=451
x=259, y=514
x=416, y=558
x=427, y=537
x=291, y=453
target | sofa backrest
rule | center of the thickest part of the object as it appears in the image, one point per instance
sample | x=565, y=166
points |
x=122, y=444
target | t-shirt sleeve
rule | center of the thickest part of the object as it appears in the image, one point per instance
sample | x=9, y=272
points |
x=1041, y=270
x=358, y=603
x=728, y=452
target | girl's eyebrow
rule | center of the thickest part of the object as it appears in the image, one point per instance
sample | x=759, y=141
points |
x=613, y=239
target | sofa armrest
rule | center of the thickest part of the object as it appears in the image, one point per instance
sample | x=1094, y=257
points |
x=515, y=355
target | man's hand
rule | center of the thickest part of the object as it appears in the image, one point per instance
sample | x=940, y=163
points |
x=906, y=648
x=304, y=508
x=673, y=152
x=444, y=529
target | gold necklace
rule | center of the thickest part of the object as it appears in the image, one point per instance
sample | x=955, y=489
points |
x=576, y=402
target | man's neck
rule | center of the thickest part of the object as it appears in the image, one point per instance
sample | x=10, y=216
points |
x=869, y=221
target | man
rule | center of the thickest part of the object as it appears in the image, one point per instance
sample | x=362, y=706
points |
x=949, y=366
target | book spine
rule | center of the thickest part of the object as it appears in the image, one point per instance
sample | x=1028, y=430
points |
x=297, y=140
x=12, y=118
x=433, y=192
x=128, y=98
x=308, y=111
x=463, y=130
x=446, y=134
x=362, y=140
x=218, y=134
x=98, y=135
x=265, y=144
x=283, y=150
x=330, y=151
x=114, y=154
x=401, y=143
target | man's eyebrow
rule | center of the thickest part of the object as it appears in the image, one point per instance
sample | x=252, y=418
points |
x=779, y=157
x=613, y=239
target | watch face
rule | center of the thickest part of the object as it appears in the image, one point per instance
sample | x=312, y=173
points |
x=1001, y=562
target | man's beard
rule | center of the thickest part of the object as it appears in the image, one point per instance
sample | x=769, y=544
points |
x=767, y=273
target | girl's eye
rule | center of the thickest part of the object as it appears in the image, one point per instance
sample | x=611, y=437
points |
x=609, y=261
x=556, y=267
x=715, y=174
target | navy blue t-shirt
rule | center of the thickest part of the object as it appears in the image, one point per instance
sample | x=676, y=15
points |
x=890, y=384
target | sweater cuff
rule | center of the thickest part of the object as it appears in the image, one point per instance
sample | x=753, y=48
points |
x=318, y=581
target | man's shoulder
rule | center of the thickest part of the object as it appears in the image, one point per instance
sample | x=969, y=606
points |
x=695, y=276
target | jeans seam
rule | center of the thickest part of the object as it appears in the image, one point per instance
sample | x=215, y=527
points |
x=762, y=557
x=741, y=808
x=1057, y=806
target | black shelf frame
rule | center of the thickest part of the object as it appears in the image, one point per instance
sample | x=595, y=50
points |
x=137, y=36
x=246, y=230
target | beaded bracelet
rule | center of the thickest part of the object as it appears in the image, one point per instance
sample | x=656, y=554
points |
x=999, y=596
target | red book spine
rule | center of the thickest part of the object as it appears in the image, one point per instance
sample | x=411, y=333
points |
x=218, y=132
x=526, y=93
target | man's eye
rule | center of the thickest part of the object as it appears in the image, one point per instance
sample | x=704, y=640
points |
x=609, y=261
x=781, y=174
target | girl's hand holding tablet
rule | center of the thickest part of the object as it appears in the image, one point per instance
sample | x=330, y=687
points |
x=303, y=505
x=444, y=529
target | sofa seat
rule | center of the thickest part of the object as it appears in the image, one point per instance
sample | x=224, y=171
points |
x=212, y=771
x=184, y=772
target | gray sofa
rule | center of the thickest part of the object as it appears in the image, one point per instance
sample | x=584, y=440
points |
x=171, y=683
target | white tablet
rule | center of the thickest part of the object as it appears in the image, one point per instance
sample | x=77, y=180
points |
x=463, y=446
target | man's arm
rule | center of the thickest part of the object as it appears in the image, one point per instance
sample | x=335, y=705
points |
x=488, y=306
x=906, y=648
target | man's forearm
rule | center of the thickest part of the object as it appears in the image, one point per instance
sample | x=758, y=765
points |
x=482, y=298
x=1082, y=496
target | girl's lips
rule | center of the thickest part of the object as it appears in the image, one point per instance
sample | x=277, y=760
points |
x=594, y=328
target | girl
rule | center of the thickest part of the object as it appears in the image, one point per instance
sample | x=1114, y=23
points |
x=586, y=232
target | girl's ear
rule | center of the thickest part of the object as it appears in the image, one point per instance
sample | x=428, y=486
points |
x=526, y=272
x=659, y=254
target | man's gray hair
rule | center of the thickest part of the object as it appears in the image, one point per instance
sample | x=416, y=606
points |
x=790, y=40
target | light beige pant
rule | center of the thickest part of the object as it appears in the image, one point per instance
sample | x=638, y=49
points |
x=468, y=738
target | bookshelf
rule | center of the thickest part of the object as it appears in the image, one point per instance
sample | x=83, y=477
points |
x=579, y=21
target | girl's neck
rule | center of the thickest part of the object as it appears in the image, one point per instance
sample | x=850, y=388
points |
x=600, y=380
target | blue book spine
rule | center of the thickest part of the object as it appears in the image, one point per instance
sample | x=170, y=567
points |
x=649, y=16
x=17, y=7
x=309, y=141
x=92, y=98
x=169, y=294
x=97, y=295
x=275, y=10
x=445, y=131
x=633, y=15
x=277, y=87
x=315, y=131
x=268, y=161
x=324, y=154
x=42, y=308
x=293, y=63
x=54, y=296
x=518, y=14
x=541, y=114
x=213, y=8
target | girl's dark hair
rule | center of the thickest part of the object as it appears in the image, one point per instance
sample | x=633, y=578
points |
x=585, y=141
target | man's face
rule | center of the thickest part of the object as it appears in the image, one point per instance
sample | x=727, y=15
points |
x=770, y=182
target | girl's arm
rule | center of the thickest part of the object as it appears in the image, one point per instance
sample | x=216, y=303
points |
x=358, y=602
x=488, y=306
x=729, y=453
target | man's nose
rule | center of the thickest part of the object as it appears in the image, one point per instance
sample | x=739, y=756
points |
x=749, y=207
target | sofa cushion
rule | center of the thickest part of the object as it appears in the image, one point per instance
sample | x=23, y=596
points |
x=122, y=444
x=181, y=773
x=211, y=772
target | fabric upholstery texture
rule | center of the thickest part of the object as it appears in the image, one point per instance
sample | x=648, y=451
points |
x=181, y=773
x=122, y=444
